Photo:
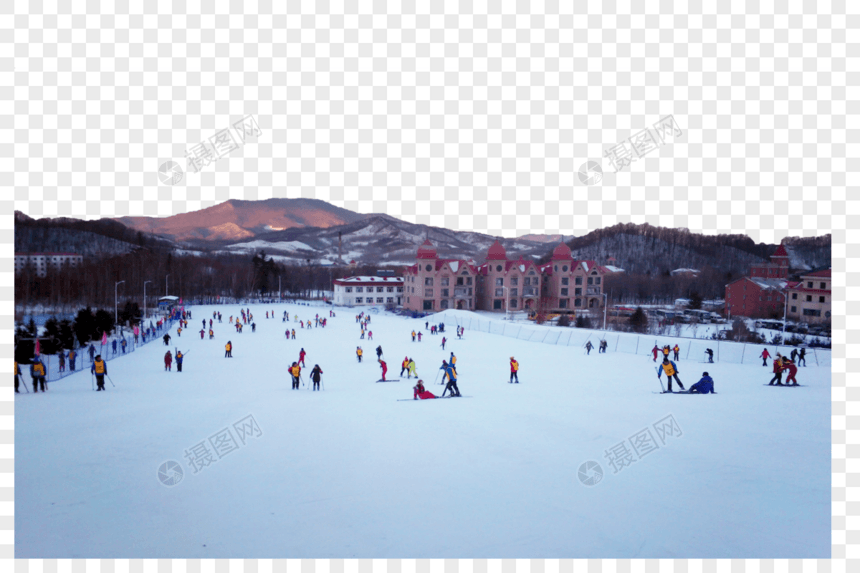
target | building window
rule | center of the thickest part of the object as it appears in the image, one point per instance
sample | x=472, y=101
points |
x=358, y=299
x=348, y=289
x=444, y=304
x=399, y=289
x=794, y=296
x=380, y=289
x=359, y=289
x=564, y=269
x=565, y=281
x=497, y=304
x=794, y=309
x=428, y=293
x=513, y=303
x=821, y=299
x=445, y=292
x=500, y=292
x=526, y=281
x=555, y=268
x=809, y=284
x=823, y=286
x=590, y=281
x=468, y=280
x=578, y=281
x=577, y=291
x=562, y=303
x=564, y=292
x=379, y=299
x=445, y=281
x=428, y=281
x=428, y=305
x=390, y=289
x=809, y=298
x=500, y=282
x=515, y=281
x=498, y=268
x=811, y=312
x=389, y=299
x=428, y=268
x=597, y=280
x=459, y=281
x=514, y=292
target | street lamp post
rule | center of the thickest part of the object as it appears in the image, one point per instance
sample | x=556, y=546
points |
x=604, y=310
x=784, y=313
x=115, y=303
x=165, y=284
x=144, y=298
x=507, y=316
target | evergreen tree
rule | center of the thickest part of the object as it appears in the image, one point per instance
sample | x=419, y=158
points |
x=695, y=300
x=638, y=321
x=84, y=325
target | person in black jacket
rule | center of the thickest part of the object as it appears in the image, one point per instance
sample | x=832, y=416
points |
x=315, y=376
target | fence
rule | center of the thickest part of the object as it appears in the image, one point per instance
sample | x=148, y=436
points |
x=107, y=352
x=629, y=343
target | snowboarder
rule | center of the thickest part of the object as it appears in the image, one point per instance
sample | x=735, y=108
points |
x=411, y=370
x=588, y=347
x=703, y=386
x=777, y=371
x=802, y=357
x=358, y=353
x=302, y=355
x=404, y=366
x=17, y=375
x=384, y=367
x=228, y=348
x=37, y=373
x=179, y=357
x=99, y=368
x=676, y=350
x=166, y=339
x=168, y=361
x=764, y=356
x=418, y=391
x=710, y=354
x=671, y=371
x=451, y=375
x=515, y=366
x=443, y=342
x=295, y=372
x=315, y=376
x=655, y=351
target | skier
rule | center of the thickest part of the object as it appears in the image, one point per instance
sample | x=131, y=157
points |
x=17, y=375
x=228, y=350
x=777, y=371
x=671, y=370
x=703, y=386
x=370, y=335
x=302, y=354
x=99, y=368
x=655, y=351
x=168, y=360
x=253, y=327
x=72, y=356
x=802, y=357
x=358, y=353
x=384, y=367
x=443, y=342
x=404, y=366
x=91, y=351
x=379, y=352
x=419, y=337
x=666, y=351
x=793, y=354
x=411, y=370
x=294, y=334
x=211, y=334
x=37, y=373
x=588, y=347
x=113, y=345
x=179, y=332
x=179, y=357
x=62, y=357
x=453, y=361
x=295, y=372
x=123, y=344
x=287, y=333
x=315, y=376
x=515, y=366
x=413, y=336
x=764, y=356
x=676, y=350
x=710, y=354
x=451, y=375
x=418, y=391
x=602, y=348
x=792, y=371
x=426, y=325
x=166, y=339
x=202, y=331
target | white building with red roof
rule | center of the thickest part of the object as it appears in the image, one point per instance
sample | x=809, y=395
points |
x=368, y=291
x=41, y=262
x=809, y=300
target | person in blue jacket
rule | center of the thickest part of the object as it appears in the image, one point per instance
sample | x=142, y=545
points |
x=671, y=370
x=703, y=386
x=451, y=374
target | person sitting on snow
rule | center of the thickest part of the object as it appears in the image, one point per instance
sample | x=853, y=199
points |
x=420, y=392
x=703, y=386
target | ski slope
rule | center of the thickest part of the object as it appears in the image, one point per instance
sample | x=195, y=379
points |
x=353, y=472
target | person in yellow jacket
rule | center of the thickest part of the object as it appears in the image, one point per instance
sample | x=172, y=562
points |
x=211, y=334
x=229, y=350
x=676, y=350
x=413, y=336
x=404, y=366
x=38, y=372
x=666, y=351
x=99, y=368
x=671, y=370
x=453, y=362
x=411, y=370
x=515, y=366
x=17, y=374
x=358, y=352
x=295, y=372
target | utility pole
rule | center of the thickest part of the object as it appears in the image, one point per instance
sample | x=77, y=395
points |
x=115, y=303
x=604, y=310
x=144, y=298
x=165, y=284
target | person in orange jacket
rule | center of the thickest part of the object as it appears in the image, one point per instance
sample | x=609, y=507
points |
x=676, y=350
x=228, y=350
x=515, y=366
x=404, y=366
x=777, y=371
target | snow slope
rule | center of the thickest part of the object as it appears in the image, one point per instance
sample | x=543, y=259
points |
x=353, y=472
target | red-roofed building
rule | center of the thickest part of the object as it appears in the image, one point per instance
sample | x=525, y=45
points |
x=367, y=291
x=504, y=284
x=433, y=284
x=572, y=285
x=809, y=300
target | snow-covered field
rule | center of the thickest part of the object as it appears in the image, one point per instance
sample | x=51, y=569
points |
x=353, y=472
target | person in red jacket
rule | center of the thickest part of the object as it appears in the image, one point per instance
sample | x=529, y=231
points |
x=418, y=391
x=302, y=357
x=384, y=368
x=515, y=366
x=764, y=356
x=787, y=364
x=777, y=371
x=168, y=360
x=655, y=351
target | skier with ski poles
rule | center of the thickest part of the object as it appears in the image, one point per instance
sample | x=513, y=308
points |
x=17, y=378
x=418, y=391
x=179, y=357
x=411, y=371
x=168, y=361
x=671, y=370
x=358, y=353
x=99, y=368
x=315, y=376
x=302, y=355
x=588, y=347
x=295, y=372
x=404, y=366
x=515, y=366
x=655, y=351
x=451, y=375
